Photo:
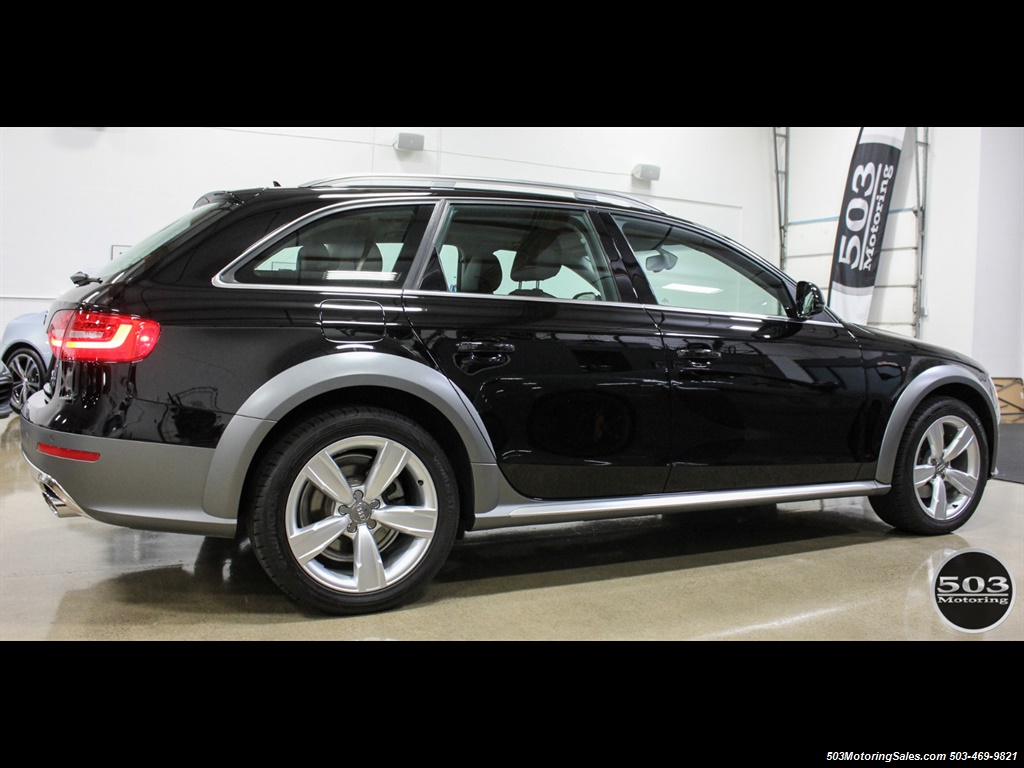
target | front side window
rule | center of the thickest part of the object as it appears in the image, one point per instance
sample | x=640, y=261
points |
x=689, y=271
x=526, y=251
x=371, y=247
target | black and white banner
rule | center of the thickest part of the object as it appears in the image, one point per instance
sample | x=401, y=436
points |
x=862, y=221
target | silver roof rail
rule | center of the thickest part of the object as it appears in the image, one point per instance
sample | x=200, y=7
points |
x=427, y=181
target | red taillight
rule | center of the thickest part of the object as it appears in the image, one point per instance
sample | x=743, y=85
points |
x=101, y=337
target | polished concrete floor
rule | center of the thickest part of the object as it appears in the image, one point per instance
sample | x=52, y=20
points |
x=809, y=571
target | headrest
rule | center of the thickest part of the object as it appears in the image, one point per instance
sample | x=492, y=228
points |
x=482, y=274
x=536, y=263
x=356, y=255
x=314, y=252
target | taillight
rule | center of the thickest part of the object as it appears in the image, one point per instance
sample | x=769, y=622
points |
x=101, y=337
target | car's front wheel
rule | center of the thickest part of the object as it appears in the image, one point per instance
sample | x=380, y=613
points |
x=940, y=471
x=27, y=369
x=354, y=510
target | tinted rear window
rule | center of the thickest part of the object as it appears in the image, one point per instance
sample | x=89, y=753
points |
x=161, y=242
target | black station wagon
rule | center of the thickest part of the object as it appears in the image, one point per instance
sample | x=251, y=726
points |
x=358, y=371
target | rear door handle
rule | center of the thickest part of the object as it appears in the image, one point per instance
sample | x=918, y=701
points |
x=485, y=348
x=698, y=353
x=474, y=356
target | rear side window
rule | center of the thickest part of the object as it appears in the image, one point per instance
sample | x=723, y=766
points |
x=524, y=251
x=368, y=247
x=693, y=272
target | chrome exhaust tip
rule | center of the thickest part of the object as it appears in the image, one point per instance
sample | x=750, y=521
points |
x=57, y=505
x=57, y=499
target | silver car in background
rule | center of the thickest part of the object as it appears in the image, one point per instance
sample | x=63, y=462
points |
x=26, y=353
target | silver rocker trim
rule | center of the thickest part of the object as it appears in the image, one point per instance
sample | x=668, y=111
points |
x=526, y=512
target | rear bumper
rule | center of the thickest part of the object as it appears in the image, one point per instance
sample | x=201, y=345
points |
x=149, y=486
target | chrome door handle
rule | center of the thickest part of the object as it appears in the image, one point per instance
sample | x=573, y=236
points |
x=698, y=353
x=485, y=347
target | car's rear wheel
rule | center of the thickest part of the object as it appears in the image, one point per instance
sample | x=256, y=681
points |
x=940, y=471
x=27, y=369
x=354, y=511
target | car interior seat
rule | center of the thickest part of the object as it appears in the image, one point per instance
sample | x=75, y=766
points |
x=481, y=273
x=534, y=264
x=313, y=262
x=356, y=256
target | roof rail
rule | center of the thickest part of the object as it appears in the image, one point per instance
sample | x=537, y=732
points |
x=427, y=181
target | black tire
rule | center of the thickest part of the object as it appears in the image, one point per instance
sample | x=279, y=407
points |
x=27, y=369
x=940, y=471
x=354, y=511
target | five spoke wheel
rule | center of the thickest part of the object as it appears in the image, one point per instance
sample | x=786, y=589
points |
x=361, y=514
x=940, y=471
x=355, y=511
x=946, y=472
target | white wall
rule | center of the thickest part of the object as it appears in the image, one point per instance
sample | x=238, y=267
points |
x=999, y=284
x=67, y=195
x=951, y=238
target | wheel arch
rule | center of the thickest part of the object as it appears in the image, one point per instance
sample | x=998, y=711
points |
x=20, y=346
x=939, y=381
x=405, y=386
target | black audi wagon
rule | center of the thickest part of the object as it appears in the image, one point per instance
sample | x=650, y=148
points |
x=355, y=372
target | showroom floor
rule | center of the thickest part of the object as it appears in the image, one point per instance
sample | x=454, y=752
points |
x=809, y=571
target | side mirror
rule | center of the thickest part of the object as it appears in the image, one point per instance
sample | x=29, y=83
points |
x=808, y=299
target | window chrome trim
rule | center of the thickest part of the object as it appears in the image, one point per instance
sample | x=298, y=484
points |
x=649, y=308
x=331, y=289
x=575, y=302
x=739, y=315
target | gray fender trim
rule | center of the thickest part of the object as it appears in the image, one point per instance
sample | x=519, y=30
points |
x=291, y=388
x=911, y=398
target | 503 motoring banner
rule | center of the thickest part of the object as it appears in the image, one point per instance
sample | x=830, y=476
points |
x=861, y=227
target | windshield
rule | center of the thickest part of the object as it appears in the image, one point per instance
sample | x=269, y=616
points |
x=161, y=242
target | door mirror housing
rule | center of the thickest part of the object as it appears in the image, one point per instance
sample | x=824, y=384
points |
x=809, y=300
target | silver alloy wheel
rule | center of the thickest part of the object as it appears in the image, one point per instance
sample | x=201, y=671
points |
x=28, y=377
x=361, y=514
x=947, y=468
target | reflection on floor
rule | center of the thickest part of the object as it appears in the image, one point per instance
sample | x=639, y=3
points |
x=817, y=570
